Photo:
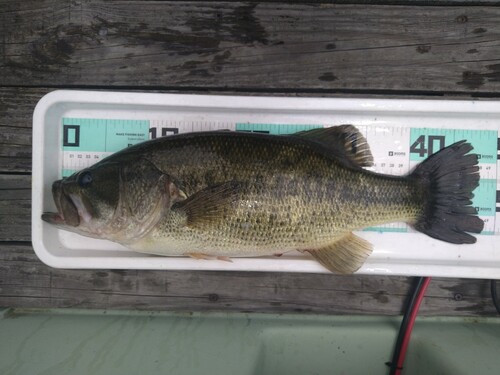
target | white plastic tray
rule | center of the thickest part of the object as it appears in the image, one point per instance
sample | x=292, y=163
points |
x=394, y=253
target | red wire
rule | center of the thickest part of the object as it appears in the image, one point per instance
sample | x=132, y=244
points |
x=411, y=323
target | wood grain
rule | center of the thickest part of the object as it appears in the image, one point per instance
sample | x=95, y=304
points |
x=250, y=46
x=15, y=208
x=26, y=282
x=16, y=118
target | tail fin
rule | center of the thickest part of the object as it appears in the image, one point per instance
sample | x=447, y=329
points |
x=448, y=178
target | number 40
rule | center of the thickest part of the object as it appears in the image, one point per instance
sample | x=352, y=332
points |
x=421, y=147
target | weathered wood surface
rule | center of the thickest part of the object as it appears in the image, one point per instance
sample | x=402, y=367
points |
x=15, y=208
x=253, y=48
x=250, y=46
x=26, y=282
x=16, y=118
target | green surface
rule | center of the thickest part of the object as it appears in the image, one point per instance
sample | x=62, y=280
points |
x=99, y=342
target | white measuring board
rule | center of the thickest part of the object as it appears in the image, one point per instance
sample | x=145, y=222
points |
x=396, y=150
x=74, y=129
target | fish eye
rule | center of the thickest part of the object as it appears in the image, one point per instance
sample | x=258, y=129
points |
x=85, y=179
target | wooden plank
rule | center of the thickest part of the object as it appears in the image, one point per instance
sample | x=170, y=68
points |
x=15, y=208
x=16, y=117
x=14, y=164
x=17, y=105
x=251, y=46
x=26, y=282
x=14, y=182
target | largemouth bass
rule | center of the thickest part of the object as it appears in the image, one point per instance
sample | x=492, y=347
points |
x=231, y=194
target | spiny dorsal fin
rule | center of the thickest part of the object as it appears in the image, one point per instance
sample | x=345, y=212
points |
x=210, y=204
x=344, y=256
x=345, y=141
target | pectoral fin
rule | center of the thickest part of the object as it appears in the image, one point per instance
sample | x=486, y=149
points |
x=210, y=204
x=344, y=256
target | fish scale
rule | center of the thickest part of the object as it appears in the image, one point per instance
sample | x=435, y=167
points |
x=295, y=196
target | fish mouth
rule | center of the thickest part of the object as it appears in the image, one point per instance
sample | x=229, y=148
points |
x=67, y=207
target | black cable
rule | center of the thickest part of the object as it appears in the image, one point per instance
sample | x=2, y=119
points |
x=494, y=295
x=403, y=328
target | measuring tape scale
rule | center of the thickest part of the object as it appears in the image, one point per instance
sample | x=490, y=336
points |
x=396, y=150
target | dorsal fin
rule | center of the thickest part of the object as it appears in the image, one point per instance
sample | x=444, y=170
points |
x=345, y=141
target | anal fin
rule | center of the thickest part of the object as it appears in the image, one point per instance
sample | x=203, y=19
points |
x=208, y=257
x=344, y=256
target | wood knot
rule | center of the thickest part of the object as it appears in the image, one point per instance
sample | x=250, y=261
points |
x=472, y=80
x=462, y=19
x=423, y=49
x=213, y=297
x=328, y=76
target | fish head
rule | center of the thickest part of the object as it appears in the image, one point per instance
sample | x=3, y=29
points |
x=112, y=200
x=86, y=201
